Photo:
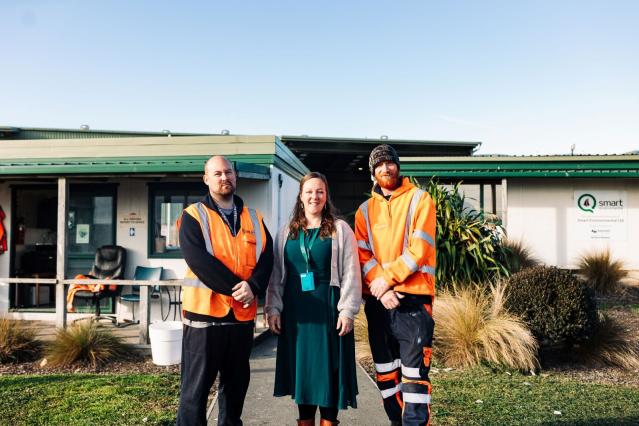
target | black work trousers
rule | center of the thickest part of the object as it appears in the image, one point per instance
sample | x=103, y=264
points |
x=205, y=352
x=401, y=344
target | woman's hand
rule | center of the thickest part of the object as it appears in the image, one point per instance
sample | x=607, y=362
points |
x=345, y=325
x=275, y=324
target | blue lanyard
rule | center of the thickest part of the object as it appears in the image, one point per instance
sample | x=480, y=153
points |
x=306, y=251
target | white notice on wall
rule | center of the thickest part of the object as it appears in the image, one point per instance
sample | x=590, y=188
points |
x=601, y=215
x=82, y=234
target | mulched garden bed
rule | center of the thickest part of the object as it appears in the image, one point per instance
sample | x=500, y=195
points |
x=135, y=364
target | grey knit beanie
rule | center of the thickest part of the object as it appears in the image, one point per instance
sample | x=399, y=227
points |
x=380, y=154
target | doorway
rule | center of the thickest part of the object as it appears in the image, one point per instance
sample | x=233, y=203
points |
x=90, y=224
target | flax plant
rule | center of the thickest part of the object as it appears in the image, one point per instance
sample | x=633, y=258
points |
x=469, y=244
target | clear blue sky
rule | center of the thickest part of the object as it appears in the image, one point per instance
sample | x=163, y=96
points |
x=522, y=77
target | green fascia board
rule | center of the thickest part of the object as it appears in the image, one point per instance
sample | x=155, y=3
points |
x=249, y=165
x=626, y=168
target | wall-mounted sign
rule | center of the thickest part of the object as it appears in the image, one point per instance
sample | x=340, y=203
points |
x=82, y=234
x=131, y=218
x=601, y=215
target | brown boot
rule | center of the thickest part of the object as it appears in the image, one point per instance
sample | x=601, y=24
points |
x=324, y=422
x=307, y=422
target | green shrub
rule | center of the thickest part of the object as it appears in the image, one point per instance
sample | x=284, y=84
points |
x=469, y=245
x=17, y=341
x=85, y=343
x=558, y=307
x=601, y=272
x=518, y=255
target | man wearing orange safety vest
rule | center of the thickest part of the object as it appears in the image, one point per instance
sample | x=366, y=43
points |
x=395, y=231
x=229, y=254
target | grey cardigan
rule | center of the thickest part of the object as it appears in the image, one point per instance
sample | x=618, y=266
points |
x=345, y=272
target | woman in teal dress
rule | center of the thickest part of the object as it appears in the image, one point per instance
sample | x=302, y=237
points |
x=313, y=296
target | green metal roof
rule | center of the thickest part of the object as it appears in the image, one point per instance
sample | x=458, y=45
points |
x=138, y=155
x=30, y=133
x=614, y=166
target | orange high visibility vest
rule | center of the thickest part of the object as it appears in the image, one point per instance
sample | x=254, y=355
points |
x=239, y=254
x=396, y=240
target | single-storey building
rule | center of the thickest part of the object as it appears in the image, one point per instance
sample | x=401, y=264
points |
x=121, y=188
x=128, y=188
x=561, y=207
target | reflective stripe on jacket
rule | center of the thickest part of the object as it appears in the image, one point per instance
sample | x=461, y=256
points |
x=239, y=254
x=396, y=239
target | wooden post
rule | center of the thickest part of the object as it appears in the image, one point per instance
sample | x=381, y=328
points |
x=504, y=203
x=145, y=314
x=61, y=256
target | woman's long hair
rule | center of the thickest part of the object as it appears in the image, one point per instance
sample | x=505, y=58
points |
x=329, y=214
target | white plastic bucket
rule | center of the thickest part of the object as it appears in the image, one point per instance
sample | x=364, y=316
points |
x=166, y=342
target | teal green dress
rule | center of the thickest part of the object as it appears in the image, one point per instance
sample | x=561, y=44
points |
x=314, y=364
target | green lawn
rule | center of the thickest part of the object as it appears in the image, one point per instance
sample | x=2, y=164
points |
x=86, y=399
x=89, y=399
x=517, y=399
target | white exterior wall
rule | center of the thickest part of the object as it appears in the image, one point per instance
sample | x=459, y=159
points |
x=542, y=214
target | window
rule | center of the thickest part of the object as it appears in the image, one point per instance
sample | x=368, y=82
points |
x=166, y=203
x=90, y=223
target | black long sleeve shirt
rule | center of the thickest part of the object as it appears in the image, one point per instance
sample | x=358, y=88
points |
x=210, y=270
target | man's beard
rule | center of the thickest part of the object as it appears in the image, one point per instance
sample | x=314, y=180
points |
x=389, y=182
x=226, y=190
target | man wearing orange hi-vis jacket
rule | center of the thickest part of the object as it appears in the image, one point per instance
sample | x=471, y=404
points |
x=395, y=231
x=229, y=254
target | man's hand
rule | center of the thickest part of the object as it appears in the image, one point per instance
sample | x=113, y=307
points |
x=242, y=293
x=275, y=323
x=390, y=299
x=379, y=286
x=344, y=325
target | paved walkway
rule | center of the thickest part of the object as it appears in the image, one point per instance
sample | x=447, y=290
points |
x=261, y=408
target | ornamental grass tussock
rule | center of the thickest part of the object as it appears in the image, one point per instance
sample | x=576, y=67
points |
x=519, y=255
x=84, y=343
x=609, y=345
x=601, y=272
x=18, y=341
x=472, y=326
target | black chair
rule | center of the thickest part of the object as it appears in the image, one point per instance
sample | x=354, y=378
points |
x=108, y=265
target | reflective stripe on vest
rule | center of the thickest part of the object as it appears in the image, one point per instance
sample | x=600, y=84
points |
x=364, y=208
x=206, y=227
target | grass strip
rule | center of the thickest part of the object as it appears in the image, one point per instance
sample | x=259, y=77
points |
x=82, y=399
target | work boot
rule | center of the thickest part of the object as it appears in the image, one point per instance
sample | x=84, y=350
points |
x=306, y=422
x=324, y=422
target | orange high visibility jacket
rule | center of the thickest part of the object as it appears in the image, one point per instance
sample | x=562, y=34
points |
x=239, y=254
x=396, y=240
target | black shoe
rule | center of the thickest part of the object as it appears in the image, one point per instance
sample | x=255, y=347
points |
x=396, y=423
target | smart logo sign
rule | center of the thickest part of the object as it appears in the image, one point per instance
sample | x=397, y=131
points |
x=588, y=203
x=601, y=215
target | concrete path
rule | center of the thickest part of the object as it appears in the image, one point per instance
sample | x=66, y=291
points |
x=262, y=408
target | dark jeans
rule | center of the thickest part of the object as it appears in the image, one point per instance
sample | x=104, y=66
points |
x=205, y=352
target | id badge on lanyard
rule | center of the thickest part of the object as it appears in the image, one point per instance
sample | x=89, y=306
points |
x=307, y=279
